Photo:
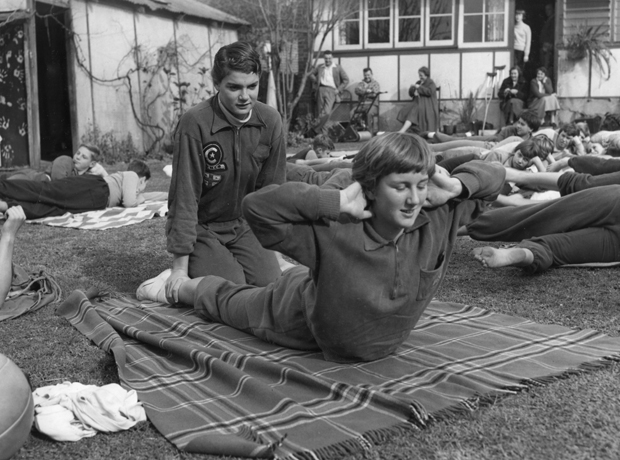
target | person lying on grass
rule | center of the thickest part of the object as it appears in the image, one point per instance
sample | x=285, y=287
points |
x=373, y=244
x=322, y=146
x=76, y=193
x=85, y=160
x=581, y=227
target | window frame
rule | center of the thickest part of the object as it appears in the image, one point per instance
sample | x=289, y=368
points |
x=457, y=14
x=427, y=26
x=366, y=22
x=360, y=22
x=461, y=39
x=418, y=44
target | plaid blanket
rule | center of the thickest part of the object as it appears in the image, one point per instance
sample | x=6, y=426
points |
x=107, y=218
x=212, y=389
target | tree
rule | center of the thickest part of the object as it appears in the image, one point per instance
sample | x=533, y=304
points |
x=285, y=24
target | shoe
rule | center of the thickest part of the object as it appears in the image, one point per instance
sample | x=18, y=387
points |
x=153, y=289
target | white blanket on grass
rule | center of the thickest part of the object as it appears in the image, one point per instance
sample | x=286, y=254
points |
x=107, y=218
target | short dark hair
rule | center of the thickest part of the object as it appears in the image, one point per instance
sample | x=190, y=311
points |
x=140, y=168
x=520, y=12
x=530, y=149
x=323, y=141
x=425, y=70
x=367, y=69
x=518, y=69
x=236, y=57
x=327, y=52
x=542, y=69
x=94, y=150
x=570, y=129
x=391, y=153
x=545, y=144
x=531, y=119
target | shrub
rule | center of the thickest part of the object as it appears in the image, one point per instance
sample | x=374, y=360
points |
x=113, y=147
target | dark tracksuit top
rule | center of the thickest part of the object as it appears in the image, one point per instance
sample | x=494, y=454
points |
x=363, y=294
x=216, y=165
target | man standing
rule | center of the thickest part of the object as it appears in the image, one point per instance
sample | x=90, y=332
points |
x=366, y=90
x=330, y=80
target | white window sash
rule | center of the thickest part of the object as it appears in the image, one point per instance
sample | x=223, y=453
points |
x=463, y=44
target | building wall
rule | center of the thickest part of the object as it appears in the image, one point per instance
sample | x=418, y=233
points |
x=456, y=72
x=107, y=37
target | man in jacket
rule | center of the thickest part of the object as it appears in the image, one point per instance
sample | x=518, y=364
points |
x=329, y=81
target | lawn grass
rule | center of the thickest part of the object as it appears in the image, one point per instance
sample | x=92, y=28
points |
x=574, y=418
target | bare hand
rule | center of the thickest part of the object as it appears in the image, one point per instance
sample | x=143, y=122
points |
x=353, y=202
x=173, y=283
x=442, y=188
x=15, y=217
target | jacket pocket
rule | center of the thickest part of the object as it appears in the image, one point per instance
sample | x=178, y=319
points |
x=429, y=282
x=261, y=153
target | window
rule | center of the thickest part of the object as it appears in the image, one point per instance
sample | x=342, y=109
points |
x=484, y=21
x=418, y=23
x=440, y=28
x=586, y=13
x=349, y=31
x=409, y=22
x=379, y=22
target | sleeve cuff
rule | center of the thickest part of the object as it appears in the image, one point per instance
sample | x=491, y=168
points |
x=329, y=204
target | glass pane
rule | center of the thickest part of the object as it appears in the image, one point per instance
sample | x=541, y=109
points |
x=440, y=28
x=441, y=6
x=379, y=31
x=495, y=6
x=409, y=30
x=495, y=28
x=378, y=8
x=409, y=7
x=350, y=33
x=472, y=29
x=473, y=6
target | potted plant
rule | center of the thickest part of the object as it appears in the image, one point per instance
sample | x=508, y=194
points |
x=590, y=40
x=467, y=113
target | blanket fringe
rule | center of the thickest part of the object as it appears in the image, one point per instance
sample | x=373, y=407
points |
x=476, y=402
x=419, y=417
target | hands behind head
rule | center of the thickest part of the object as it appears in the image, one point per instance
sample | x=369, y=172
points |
x=353, y=202
x=442, y=188
x=15, y=217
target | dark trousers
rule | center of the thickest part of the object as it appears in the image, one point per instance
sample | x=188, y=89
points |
x=578, y=228
x=594, y=165
x=230, y=250
x=47, y=199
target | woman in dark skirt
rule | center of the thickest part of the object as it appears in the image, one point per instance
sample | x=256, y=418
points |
x=422, y=114
x=513, y=94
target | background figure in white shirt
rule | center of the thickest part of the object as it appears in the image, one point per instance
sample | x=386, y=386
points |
x=523, y=40
x=329, y=81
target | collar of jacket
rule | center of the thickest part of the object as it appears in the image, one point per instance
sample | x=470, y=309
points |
x=374, y=241
x=220, y=121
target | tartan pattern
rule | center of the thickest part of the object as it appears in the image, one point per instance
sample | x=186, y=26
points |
x=210, y=388
x=107, y=218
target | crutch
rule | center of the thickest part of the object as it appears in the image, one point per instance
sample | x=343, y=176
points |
x=491, y=81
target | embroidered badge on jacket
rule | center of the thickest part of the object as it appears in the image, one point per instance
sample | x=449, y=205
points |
x=214, y=162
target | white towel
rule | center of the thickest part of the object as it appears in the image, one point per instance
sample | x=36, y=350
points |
x=72, y=411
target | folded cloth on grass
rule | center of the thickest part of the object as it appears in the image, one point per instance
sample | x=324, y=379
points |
x=29, y=292
x=107, y=218
x=212, y=389
x=72, y=411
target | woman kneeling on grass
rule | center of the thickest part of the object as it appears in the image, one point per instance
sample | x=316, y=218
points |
x=374, y=243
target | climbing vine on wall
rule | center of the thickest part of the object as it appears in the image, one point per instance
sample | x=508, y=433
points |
x=161, y=82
